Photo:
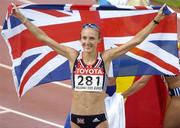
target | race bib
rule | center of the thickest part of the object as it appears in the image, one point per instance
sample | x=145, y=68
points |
x=88, y=80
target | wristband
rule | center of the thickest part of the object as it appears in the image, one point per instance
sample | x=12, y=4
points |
x=155, y=21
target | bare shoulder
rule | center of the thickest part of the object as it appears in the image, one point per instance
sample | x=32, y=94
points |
x=106, y=55
x=73, y=54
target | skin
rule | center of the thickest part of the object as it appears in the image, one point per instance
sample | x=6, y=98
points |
x=137, y=85
x=172, y=115
x=86, y=103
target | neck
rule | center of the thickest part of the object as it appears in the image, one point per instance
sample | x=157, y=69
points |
x=89, y=58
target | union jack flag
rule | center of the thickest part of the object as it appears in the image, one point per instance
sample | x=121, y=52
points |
x=34, y=63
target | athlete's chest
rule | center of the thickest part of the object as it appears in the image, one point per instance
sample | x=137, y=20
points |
x=88, y=77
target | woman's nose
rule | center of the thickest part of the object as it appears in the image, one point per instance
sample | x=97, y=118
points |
x=87, y=41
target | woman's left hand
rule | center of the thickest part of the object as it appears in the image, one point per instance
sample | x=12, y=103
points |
x=162, y=13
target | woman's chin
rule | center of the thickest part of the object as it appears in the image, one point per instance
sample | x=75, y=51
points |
x=88, y=50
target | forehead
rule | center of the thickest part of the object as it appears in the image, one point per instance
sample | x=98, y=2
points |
x=89, y=32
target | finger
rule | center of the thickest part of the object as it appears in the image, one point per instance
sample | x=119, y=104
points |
x=164, y=5
x=14, y=6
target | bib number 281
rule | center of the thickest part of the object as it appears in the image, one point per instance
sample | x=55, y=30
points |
x=89, y=80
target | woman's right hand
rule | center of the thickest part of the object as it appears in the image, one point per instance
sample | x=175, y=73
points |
x=16, y=13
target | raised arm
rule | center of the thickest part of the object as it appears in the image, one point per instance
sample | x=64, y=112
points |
x=65, y=51
x=139, y=84
x=137, y=39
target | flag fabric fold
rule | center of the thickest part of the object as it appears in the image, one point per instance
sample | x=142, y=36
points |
x=33, y=63
x=115, y=111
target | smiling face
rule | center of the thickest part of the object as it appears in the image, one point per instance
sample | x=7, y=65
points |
x=90, y=37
